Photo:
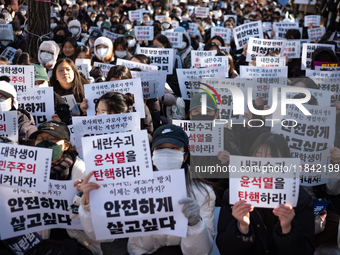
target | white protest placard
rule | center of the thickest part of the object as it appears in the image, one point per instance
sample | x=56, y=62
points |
x=112, y=36
x=103, y=124
x=322, y=74
x=92, y=28
x=262, y=87
x=185, y=75
x=84, y=69
x=25, y=167
x=201, y=12
x=94, y=91
x=281, y=28
x=175, y=24
x=118, y=157
x=146, y=207
x=132, y=64
x=264, y=182
x=269, y=72
x=153, y=83
x=216, y=61
x=261, y=47
x=71, y=101
x=312, y=19
x=307, y=52
x=322, y=96
x=205, y=139
x=196, y=56
x=175, y=38
x=38, y=102
x=193, y=29
x=9, y=125
x=22, y=77
x=149, y=22
x=223, y=32
x=270, y=61
x=104, y=68
x=234, y=17
x=144, y=33
x=307, y=2
x=292, y=49
x=9, y=53
x=160, y=17
x=268, y=26
x=190, y=9
x=310, y=138
x=6, y=26
x=26, y=211
x=243, y=32
x=163, y=58
x=226, y=49
x=136, y=15
x=316, y=33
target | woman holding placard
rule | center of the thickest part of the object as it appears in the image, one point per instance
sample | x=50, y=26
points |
x=243, y=229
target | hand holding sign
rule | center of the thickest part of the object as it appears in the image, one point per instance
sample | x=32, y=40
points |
x=286, y=214
x=86, y=187
x=241, y=212
x=335, y=155
x=223, y=156
x=84, y=106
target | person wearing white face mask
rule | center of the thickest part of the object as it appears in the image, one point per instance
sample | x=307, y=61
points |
x=74, y=27
x=120, y=48
x=47, y=55
x=185, y=50
x=127, y=25
x=23, y=9
x=131, y=41
x=170, y=151
x=103, y=50
x=166, y=23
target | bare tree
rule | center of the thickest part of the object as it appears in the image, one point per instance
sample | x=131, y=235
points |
x=38, y=24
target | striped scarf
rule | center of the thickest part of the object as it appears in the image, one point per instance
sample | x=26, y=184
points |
x=60, y=170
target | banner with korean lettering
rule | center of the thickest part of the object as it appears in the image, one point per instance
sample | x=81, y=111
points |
x=264, y=182
x=104, y=68
x=185, y=75
x=38, y=101
x=312, y=19
x=22, y=77
x=144, y=33
x=322, y=97
x=9, y=125
x=140, y=208
x=163, y=58
x=261, y=47
x=270, y=61
x=103, y=124
x=262, y=86
x=243, y=32
x=216, y=61
x=197, y=55
x=83, y=68
x=25, y=167
x=94, y=91
x=136, y=15
x=292, y=49
x=27, y=211
x=118, y=157
x=281, y=28
x=193, y=29
x=132, y=64
x=326, y=66
x=316, y=33
x=6, y=26
x=72, y=103
x=225, y=33
x=175, y=38
x=9, y=53
x=205, y=139
x=112, y=36
x=153, y=83
x=307, y=52
x=268, y=72
x=310, y=140
x=201, y=12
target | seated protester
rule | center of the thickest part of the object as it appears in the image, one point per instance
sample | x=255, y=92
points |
x=243, y=229
x=83, y=52
x=68, y=48
x=20, y=19
x=131, y=41
x=103, y=50
x=222, y=159
x=20, y=39
x=128, y=25
x=66, y=80
x=105, y=26
x=75, y=29
x=95, y=34
x=66, y=165
x=114, y=103
x=47, y=55
x=8, y=102
x=232, y=73
x=60, y=33
x=170, y=151
x=40, y=76
x=120, y=49
x=6, y=39
x=218, y=40
x=185, y=51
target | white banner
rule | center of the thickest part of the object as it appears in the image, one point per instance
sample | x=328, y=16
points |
x=243, y=32
x=132, y=64
x=22, y=77
x=307, y=52
x=261, y=47
x=196, y=56
x=163, y=58
x=225, y=33
x=9, y=125
x=104, y=68
x=312, y=19
x=144, y=33
x=268, y=72
x=270, y=61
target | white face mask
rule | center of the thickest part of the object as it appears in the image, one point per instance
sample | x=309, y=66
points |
x=55, y=10
x=167, y=159
x=53, y=25
x=5, y=43
x=99, y=23
x=5, y=105
x=131, y=43
x=65, y=18
x=93, y=19
x=127, y=27
x=90, y=44
x=183, y=46
x=89, y=13
x=102, y=53
x=120, y=54
x=46, y=57
x=23, y=12
x=166, y=25
x=204, y=24
x=74, y=30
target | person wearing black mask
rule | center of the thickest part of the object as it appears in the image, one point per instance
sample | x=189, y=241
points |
x=60, y=34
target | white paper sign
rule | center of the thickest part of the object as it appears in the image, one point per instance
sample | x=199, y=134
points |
x=316, y=33
x=225, y=33
x=201, y=12
x=118, y=157
x=292, y=49
x=281, y=28
x=144, y=33
x=104, y=68
x=22, y=77
x=25, y=211
x=307, y=52
x=132, y=64
x=243, y=32
x=84, y=69
x=216, y=61
x=136, y=15
x=312, y=19
x=9, y=53
x=269, y=72
x=25, y=167
x=196, y=56
x=9, y=125
x=112, y=36
x=175, y=24
x=95, y=90
x=71, y=101
x=175, y=38
x=262, y=186
x=261, y=47
x=147, y=207
x=270, y=61
x=193, y=29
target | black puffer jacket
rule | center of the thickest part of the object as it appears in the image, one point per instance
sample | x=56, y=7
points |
x=26, y=126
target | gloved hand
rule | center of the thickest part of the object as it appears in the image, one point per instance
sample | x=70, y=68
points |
x=191, y=210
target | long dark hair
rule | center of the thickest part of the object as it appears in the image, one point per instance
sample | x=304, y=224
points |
x=84, y=49
x=117, y=102
x=119, y=72
x=274, y=142
x=163, y=40
x=78, y=82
